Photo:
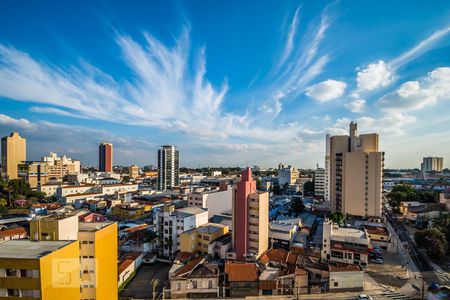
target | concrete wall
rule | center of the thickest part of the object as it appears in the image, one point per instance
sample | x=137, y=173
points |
x=346, y=281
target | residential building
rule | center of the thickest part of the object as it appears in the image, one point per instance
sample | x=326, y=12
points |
x=287, y=175
x=133, y=171
x=44, y=270
x=54, y=228
x=281, y=234
x=98, y=257
x=195, y=279
x=250, y=218
x=432, y=164
x=128, y=265
x=344, y=245
x=14, y=152
x=345, y=277
x=12, y=233
x=171, y=223
x=198, y=239
x=220, y=247
x=320, y=182
x=327, y=167
x=130, y=210
x=356, y=174
x=379, y=237
x=105, y=157
x=217, y=201
x=242, y=279
x=168, y=167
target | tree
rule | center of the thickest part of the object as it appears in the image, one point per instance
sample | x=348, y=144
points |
x=276, y=190
x=433, y=241
x=308, y=188
x=3, y=202
x=297, y=206
x=337, y=217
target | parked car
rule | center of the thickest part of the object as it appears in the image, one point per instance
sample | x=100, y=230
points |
x=364, y=297
x=377, y=260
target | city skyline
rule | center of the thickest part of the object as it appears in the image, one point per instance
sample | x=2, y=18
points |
x=264, y=90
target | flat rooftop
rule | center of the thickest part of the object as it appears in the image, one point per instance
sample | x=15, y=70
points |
x=92, y=226
x=27, y=249
x=348, y=232
x=191, y=210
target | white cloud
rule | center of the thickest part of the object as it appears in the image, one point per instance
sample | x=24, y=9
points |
x=326, y=90
x=374, y=76
x=421, y=93
x=356, y=106
x=290, y=38
x=15, y=123
x=53, y=110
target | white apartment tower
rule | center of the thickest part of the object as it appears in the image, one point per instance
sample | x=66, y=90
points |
x=168, y=167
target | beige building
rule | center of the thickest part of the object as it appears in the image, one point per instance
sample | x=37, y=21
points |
x=258, y=221
x=51, y=167
x=430, y=164
x=217, y=201
x=54, y=228
x=14, y=152
x=133, y=171
x=356, y=174
x=287, y=175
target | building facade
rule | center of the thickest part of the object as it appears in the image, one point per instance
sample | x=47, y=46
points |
x=133, y=171
x=168, y=167
x=319, y=183
x=44, y=270
x=198, y=239
x=14, y=152
x=217, y=201
x=432, y=164
x=356, y=174
x=287, y=175
x=250, y=218
x=105, y=157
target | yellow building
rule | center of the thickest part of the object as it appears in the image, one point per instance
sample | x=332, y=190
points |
x=44, y=270
x=130, y=210
x=14, y=152
x=133, y=171
x=98, y=253
x=198, y=239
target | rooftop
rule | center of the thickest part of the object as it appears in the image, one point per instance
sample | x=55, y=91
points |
x=92, y=226
x=27, y=249
x=241, y=271
x=189, y=211
x=341, y=267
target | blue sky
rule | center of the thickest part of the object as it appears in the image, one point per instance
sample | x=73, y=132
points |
x=251, y=82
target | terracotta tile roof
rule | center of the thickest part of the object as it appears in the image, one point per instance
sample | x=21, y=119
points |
x=277, y=255
x=187, y=268
x=341, y=267
x=12, y=232
x=184, y=256
x=376, y=230
x=241, y=272
x=291, y=258
x=264, y=259
x=136, y=228
x=124, y=264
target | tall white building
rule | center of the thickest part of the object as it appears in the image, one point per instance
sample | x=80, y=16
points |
x=430, y=164
x=319, y=182
x=170, y=223
x=287, y=175
x=168, y=167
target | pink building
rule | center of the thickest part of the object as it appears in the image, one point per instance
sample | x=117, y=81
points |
x=250, y=218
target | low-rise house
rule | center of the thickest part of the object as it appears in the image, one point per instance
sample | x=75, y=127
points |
x=268, y=281
x=195, y=279
x=198, y=239
x=12, y=233
x=379, y=237
x=130, y=210
x=281, y=234
x=345, y=245
x=420, y=215
x=292, y=282
x=241, y=279
x=406, y=205
x=128, y=264
x=91, y=217
x=346, y=277
x=444, y=199
x=219, y=247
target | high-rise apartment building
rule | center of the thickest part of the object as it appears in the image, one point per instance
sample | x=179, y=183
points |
x=327, y=167
x=356, y=174
x=430, y=164
x=168, y=167
x=250, y=218
x=44, y=270
x=287, y=175
x=319, y=182
x=105, y=157
x=14, y=152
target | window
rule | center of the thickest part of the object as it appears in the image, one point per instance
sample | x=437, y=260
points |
x=178, y=286
x=194, y=284
x=336, y=283
x=210, y=284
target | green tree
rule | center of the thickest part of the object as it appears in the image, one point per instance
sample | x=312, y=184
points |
x=3, y=202
x=433, y=241
x=308, y=188
x=338, y=217
x=297, y=206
